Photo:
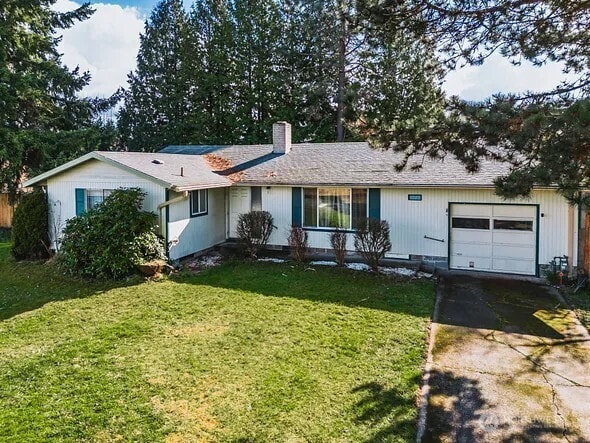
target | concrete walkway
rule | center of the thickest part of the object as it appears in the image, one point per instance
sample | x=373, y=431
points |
x=510, y=364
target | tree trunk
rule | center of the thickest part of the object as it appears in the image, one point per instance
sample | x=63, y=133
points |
x=341, y=72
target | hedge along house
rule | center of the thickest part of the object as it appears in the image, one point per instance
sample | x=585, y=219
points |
x=439, y=212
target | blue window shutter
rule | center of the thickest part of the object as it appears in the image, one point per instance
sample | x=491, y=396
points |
x=375, y=203
x=79, y=201
x=296, y=206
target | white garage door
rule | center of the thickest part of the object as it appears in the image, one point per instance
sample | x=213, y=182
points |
x=495, y=238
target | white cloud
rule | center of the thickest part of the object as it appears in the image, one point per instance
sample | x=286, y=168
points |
x=497, y=74
x=106, y=45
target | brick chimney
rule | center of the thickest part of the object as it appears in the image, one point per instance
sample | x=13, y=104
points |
x=281, y=138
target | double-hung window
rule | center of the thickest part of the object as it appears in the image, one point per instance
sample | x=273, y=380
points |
x=95, y=197
x=198, y=202
x=342, y=208
x=87, y=199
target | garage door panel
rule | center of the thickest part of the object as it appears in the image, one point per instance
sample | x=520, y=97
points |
x=513, y=266
x=473, y=263
x=515, y=252
x=472, y=210
x=514, y=238
x=509, y=245
x=472, y=249
x=514, y=211
x=472, y=235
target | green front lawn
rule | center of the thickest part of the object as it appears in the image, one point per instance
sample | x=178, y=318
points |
x=243, y=352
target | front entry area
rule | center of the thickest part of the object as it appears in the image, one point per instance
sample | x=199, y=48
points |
x=494, y=238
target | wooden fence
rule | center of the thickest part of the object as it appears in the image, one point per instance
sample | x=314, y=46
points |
x=6, y=212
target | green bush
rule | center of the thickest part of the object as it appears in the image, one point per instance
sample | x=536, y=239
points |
x=30, y=238
x=5, y=235
x=110, y=240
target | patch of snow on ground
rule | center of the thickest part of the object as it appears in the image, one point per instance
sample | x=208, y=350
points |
x=272, y=260
x=357, y=266
x=204, y=262
x=323, y=263
x=421, y=274
x=397, y=271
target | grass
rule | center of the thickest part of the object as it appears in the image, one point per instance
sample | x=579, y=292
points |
x=580, y=301
x=241, y=353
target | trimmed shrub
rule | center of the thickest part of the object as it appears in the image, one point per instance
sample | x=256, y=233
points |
x=298, y=242
x=30, y=237
x=338, y=241
x=110, y=240
x=254, y=229
x=371, y=241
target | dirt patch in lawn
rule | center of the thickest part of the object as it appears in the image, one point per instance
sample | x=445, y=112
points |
x=194, y=417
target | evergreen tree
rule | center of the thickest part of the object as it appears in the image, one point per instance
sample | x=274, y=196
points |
x=543, y=135
x=240, y=66
x=212, y=86
x=308, y=61
x=155, y=106
x=396, y=86
x=38, y=95
x=260, y=82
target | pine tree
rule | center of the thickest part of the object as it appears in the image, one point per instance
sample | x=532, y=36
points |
x=155, y=106
x=542, y=135
x=38, y=94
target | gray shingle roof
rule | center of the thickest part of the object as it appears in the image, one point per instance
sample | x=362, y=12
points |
x=196, y=172
x=345, y=164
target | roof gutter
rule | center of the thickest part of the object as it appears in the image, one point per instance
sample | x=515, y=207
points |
x=197, y=187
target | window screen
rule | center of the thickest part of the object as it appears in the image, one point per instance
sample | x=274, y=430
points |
x=94, y=197
x=310, y=205
x=199, y=202
x=359, y=207
x=256, y=198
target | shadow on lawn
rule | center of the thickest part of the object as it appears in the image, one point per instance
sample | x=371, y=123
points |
x=322, y=284
x=27, y=286
x=387, y=410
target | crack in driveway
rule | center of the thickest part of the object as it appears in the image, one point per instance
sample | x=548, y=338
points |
x=509, y=364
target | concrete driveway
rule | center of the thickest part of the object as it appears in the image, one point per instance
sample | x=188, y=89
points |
x=510, y=364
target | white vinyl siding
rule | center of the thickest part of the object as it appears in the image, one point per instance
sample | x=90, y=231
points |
x=188, y=235
x=94, y=174
x=411, y=221
x=414, y=224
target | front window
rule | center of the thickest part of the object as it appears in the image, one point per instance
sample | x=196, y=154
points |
x=199, y=203
x=94, y=197
x=341, y=208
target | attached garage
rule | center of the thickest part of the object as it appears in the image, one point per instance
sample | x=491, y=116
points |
x=494, y=237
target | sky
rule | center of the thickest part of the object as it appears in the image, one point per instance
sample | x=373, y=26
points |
x=106, y=45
